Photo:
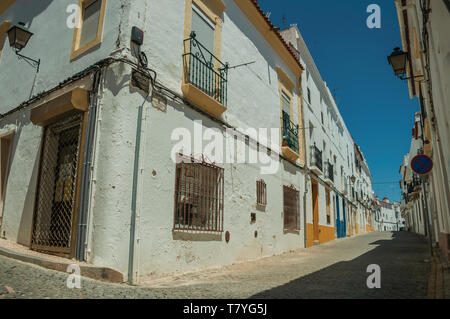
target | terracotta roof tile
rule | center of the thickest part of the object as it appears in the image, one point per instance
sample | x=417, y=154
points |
x=276, y=30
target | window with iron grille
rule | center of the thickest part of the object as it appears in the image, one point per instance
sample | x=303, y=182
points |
x=261, y=193
x=199, y=193
x=291, y=208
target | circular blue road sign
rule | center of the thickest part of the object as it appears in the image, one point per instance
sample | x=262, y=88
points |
x=422, y=164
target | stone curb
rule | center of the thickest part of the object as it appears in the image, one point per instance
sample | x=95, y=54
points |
x=93, y=272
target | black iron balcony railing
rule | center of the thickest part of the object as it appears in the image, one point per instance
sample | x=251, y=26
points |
x=316, y=157
x=416, y=181
x=204, y=70
x=330, y=171
x=290, y=133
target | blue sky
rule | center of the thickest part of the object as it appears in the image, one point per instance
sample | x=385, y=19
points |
x=352, y=58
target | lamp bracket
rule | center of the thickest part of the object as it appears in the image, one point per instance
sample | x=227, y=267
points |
x=34, y=63
x=411, y=77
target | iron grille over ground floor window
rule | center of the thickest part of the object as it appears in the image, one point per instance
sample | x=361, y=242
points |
x=291, y=209
x=199, y=193
x=261, y=193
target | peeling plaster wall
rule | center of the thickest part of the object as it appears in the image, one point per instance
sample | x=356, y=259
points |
x=163, y=251
x=160, y=250
x=21, y=187
x=113, y=172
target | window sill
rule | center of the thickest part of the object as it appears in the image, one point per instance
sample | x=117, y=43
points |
x=203, y=100
x=80, y=51
x=290, y=154
x=290, y=231
x=191, y=235
x=315, y=169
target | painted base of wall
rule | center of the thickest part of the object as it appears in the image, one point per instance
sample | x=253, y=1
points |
x=444, y=244
x=369, y=229
x=326, y=234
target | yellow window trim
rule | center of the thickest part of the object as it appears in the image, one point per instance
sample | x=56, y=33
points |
x=4, y=27
x=284, y=87
x=5, y=4
x=213, y=10
x=76, y=50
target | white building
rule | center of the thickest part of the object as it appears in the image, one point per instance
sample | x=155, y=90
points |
x=89, y=169
x=424, y=29
x=388, y=216
x=327, y=136
x=415, y=203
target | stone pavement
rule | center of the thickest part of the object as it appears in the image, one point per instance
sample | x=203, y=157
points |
x=334, y=270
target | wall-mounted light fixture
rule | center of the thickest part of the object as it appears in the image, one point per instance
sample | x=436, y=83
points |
x=19, y=36
x=398, y=60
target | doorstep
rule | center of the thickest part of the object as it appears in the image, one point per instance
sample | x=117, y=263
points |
x=13, y=250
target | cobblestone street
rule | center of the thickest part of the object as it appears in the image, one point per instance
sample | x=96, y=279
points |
x=333, y=270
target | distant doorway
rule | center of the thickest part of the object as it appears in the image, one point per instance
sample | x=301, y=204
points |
x=315, y=210
x=5, y=155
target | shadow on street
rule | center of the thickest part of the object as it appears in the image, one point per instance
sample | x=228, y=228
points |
x=405, y=270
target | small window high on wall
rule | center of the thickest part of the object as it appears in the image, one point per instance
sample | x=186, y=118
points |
x=88, y=33
x=261, y=193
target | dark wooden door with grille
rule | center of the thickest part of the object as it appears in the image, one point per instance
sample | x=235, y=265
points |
x=55, y=208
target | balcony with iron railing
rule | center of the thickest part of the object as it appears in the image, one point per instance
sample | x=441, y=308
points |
x=290, y=145
x=414, y=186
x=316, y=160
x=205, y=78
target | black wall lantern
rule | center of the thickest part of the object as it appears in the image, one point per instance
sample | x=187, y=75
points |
x=19, y=36
x=398, y=60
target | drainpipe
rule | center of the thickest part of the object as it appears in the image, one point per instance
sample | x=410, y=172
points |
x=80, y=248
x=133, y=261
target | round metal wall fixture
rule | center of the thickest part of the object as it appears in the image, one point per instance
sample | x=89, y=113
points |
x=227, y=237
x=256, y=234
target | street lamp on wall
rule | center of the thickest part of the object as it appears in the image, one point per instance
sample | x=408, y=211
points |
x=19, y=36
x=398, y=60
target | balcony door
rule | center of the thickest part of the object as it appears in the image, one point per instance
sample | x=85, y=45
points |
x=204, y=33
x=315, y=208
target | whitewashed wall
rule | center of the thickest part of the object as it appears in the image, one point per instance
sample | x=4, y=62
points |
x=52, y=43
